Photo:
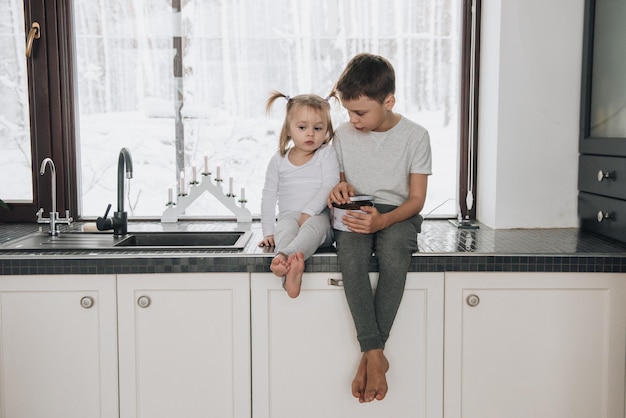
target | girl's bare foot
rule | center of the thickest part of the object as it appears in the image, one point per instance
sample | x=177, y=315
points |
x=279, y=265
x=293, y=281
x=376, y=382
x=358, y=384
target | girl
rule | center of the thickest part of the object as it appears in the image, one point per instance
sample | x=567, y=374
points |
x=299, y=178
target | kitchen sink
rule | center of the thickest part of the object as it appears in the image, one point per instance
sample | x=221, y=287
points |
x=63, y=241
x=229, y=240
x=207, y=240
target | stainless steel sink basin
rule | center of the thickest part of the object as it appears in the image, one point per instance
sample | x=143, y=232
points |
x=63, y=241
x=211, y=240
x=229, y=240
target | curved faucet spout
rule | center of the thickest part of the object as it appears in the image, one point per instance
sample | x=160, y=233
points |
x=54, y=218
x=42, y=171
x=119, y=222
x=124, y=160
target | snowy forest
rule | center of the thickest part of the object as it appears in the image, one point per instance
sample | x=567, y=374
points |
x=174, y=81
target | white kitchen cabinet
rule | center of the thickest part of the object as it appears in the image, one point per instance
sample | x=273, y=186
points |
x=184, y=345
x=58, y=347
x=305, y=352
x=541, y=345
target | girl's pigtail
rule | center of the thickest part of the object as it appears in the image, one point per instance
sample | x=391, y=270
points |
x=273, y=96
x=283, y=139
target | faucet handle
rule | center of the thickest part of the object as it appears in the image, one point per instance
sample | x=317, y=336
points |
x=104, y=224
x=106, y=212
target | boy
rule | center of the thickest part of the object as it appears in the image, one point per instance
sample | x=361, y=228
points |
x=387, y=156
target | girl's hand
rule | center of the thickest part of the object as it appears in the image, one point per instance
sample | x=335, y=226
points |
x=340, y=194
x=268, y=241
x=303, y=218
x=365, y=223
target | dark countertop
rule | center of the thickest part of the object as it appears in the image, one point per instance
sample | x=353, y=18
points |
x=442, y=247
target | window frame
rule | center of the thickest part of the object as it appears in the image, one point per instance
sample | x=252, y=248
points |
x=468, y=126
x=52, y=133
x=52, y=94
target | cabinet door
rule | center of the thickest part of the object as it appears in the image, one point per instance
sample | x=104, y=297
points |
x=534, y=345
x=184, y=345
x=305, y=352
x=58, y=347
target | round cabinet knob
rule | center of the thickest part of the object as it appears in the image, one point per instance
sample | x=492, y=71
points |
x=604, y=175
x=143, y=301
x=473, y=300
x=603, y=215
x=86, y=302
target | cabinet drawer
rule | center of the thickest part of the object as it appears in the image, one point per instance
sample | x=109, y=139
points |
x=604, y=215
x=602, y=175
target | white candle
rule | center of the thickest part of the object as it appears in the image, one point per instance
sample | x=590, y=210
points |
x=243, y=194
x=193, y=174
x=206, y=163
x=217, y=174
x=230, y=186
x=182, y=182
x=170, y=195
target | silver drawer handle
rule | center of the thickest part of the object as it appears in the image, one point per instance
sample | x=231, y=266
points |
x=335, y=282
x=608, y=175
x=86, y=302
x=143, y=301
x=603, y=215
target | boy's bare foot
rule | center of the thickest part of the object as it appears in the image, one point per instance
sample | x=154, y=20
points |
x=377, y=366
x=370, y=382
x=279, y=265
x=358, y=384
x=293, y=282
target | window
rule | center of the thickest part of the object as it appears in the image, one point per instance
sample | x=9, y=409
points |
x=14, y=116
x=233, y=54
x=44, y=129
x=124, y=92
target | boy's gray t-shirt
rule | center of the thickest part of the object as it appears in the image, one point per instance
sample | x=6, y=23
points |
x=379, y=163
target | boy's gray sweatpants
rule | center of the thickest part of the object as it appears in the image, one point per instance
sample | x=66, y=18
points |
x=393, y=247
x=314, y=233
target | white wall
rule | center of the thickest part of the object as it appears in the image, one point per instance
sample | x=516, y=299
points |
x=530, y=75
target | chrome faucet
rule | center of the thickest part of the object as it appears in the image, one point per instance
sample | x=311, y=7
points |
x=119, y=222
x=54, y=219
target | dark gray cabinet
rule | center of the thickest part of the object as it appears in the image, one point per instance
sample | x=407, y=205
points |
x=602, y=164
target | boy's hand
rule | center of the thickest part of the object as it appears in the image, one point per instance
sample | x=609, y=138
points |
x=268, y=241
x=364, y=223
x=340, y=194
